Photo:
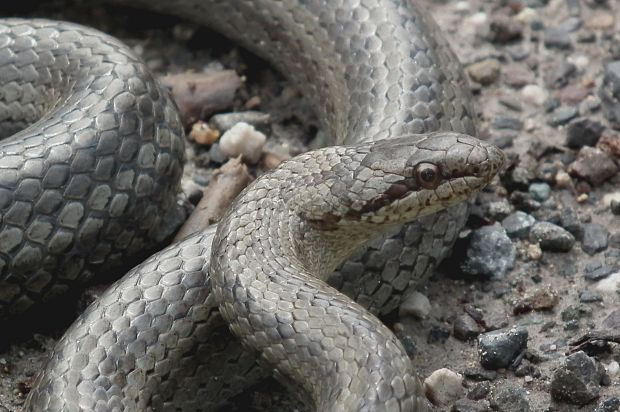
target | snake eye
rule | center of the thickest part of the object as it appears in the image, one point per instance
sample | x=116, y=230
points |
x=427, y=175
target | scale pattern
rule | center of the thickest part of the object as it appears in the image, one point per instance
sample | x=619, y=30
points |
x=95, y=173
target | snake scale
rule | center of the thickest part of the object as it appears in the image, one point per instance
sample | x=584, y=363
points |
x=90, y=168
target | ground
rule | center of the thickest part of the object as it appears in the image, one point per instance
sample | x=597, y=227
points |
x=537, y=69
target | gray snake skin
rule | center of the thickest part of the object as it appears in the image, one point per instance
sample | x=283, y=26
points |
x=95, y=169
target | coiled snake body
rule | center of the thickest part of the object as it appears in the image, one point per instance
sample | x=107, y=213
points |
x=91, y=180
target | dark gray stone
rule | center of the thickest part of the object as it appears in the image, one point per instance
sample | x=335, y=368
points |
x=490, y=253
x=615, y=207
x=518, y=224
x=595, y=271
x=595, y=238
x=504, y=122
x=551, y=237
x=498, y=349
x=583, y=132
x=588, y=296
x=557, y=38
x=569, y=220
x=577, y=379
x=562, y=115
x=465, y=328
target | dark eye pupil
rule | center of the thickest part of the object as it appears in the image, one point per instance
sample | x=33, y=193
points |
x=428, y=175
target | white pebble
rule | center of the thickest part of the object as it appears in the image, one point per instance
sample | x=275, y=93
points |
x=415, y=304
x=477, y=19
x=610, y=284
x=534, y=94
x=579, y=60
x=527, y=15
x=611, y=196
x=613, y=368
x=444, y=387
x=243, y=139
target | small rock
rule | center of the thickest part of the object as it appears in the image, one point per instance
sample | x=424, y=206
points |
x=608, y=405
x=610, y=284
x=569, y=220
x=511, y=398
x=540, y=191
x=505, y=122
x=416, y=305
x=485, y=72
x=551, y=237
x=480, y=375
x=503, y=29
x=490, y=252
x=465, y=328
x=557, y=38
x=612, y=369
x=225, y=121
x=600, y=20
x=444, y=386
x=534, y=252
x=498, y=349
x=610, y=144
x=243, y=139
x=518, y=224
x=202, y=134
x=588, y=296
x=593, y=165
x=576, y=380
x=609, y=92
x=540, y=299
x=583, y=132
x=562, y=115
x=497, y=210
x=560, y=74
x=480, y=391
x=595, y=238
x=615, y=207
x=612, y=321
x=534, y=94
x=517, y=77
x=597, y=271
x=216, y=155
x=563, y=180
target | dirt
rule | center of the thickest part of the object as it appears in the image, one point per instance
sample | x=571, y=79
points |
x=508, y=115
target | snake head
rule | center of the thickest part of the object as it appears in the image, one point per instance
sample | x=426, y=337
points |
x=399, y=180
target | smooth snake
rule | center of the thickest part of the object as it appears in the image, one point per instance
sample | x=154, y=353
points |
x=94, y=166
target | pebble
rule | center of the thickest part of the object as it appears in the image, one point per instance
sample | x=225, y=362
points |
x=593, y=165
x=510, y=398
x=465, y=328
x=416, y=305
x=595, y=238
x=610, y=284
x=534, y=94
x=505, y=122
x=498, y=349
x=444, y=386
x=614, y=205
x=497, y=210
x=243, y=139
x=202, y=134
x=480, y=375
x=225, y=121
x=612, y=369
x=540, y=191
x=609, y=92
x=572, y=314
x=558, y=38
x=516, y=77
x=583, y=132
x=485, y=72
x=569, y=220
x=563, y=180
x=479, y=391
x=562, y=115
x=216, y=155
x=540, y=299
x=504, y=29
x=600, y=20
x=559, y=74
x=534, y=252
x=551, y=237
x=490, y=252
x=608, y=405
x=518, y=224
x=588, y=296
x=577, y=379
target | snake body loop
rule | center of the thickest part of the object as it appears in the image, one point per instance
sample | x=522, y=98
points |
x=93, y=177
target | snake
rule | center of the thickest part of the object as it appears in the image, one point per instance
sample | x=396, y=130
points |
x=90, y=166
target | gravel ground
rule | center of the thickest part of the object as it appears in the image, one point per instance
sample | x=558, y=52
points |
x=538, y=266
